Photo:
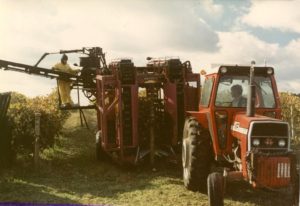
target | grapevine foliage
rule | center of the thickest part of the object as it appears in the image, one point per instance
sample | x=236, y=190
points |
x=21, y=114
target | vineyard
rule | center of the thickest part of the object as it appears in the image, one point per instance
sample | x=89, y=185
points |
x=69, y=173
x=290, y=105
x=22, y=110
x=21, y=115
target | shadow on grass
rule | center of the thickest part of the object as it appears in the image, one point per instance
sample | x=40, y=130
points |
x=70, y=169
x=243, y=192
x=18, y=190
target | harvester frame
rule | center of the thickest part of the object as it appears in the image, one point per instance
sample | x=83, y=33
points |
x=170, y=89
x=129, y=136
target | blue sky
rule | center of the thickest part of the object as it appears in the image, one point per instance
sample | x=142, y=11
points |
x=206, y=32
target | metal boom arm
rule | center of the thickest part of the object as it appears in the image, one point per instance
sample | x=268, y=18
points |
x=48, y=73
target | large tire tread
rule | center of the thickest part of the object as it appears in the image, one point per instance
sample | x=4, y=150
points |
x=215, y=189
x=201, y=155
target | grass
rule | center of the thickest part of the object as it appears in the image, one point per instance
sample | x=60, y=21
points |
x=69, y=173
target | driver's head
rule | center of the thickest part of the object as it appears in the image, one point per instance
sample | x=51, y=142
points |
x=64, y=59
x=236, y=91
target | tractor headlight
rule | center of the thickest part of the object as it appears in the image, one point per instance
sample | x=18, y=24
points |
x=270, y=71
x=256, y=142
x=281, y=143
x=223, y=70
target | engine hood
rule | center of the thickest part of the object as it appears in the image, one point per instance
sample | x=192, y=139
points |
x=241, y=123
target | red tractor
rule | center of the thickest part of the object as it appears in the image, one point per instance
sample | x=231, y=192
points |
x=237, y=134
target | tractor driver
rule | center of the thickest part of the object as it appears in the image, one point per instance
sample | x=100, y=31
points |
x=237, y=95
x=64, y=87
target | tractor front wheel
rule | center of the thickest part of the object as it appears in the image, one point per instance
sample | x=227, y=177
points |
x=196, y=155
x=215, y=189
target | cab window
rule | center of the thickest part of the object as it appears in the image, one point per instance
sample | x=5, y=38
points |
x=206, y=92
x=232, y=92
x=265, y=88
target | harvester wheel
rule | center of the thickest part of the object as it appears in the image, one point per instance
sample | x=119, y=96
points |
x=100, y=154
x=196, y=155
x=215, y=189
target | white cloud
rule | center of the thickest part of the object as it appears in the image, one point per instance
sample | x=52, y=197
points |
x=237, y=48
x=241, y=48
x=133, y=28
x=283, y=15
x=138, y=29
x=130, y=26
x=212, y=8
x=288, y=60
x=29, y=85
x=290, y=85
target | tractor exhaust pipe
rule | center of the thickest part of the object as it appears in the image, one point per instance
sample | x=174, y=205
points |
x=251, y=93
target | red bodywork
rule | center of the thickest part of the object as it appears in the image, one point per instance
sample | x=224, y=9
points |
x=269, y=170
x=122, y=121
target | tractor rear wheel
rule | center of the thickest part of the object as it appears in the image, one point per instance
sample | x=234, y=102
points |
x=215, y=189
x=196, y=155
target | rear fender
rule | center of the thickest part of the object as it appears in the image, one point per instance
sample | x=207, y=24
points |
x=201, y=118
x=204, y=120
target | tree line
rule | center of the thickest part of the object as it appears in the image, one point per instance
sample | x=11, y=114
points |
x=22, y=109
x=290, y=104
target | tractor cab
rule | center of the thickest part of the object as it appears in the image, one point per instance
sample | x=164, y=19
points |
x=225, y=95
x=228, y=90
x=238, y=134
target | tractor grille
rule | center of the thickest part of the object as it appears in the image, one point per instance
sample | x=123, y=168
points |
x=273, y=137
x=270, y=129
x=273, y=171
